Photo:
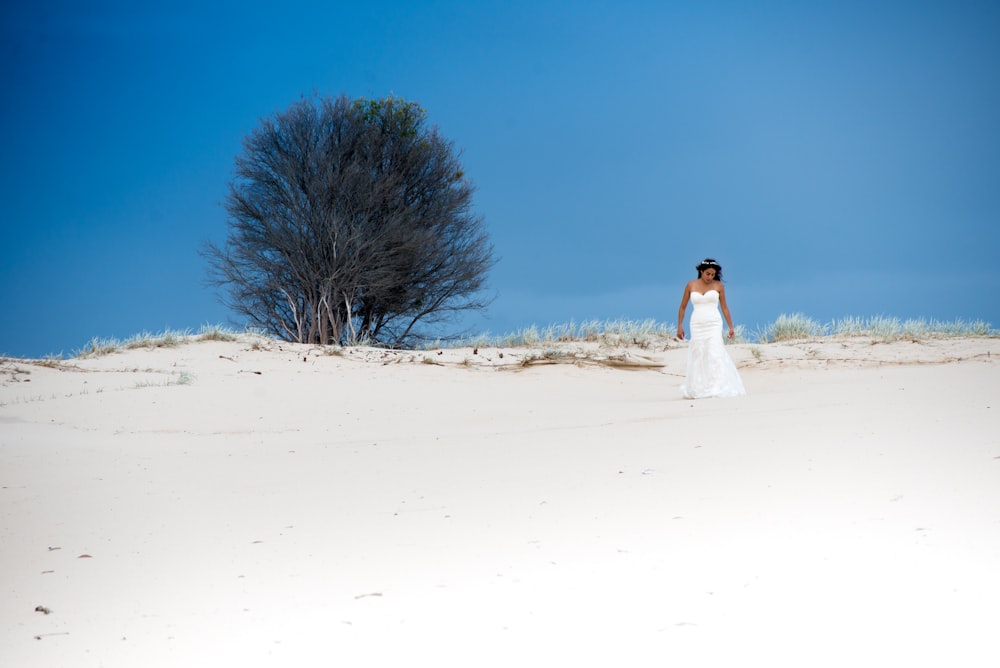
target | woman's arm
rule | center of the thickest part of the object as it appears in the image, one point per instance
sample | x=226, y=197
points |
x=681, y=310
x=725, y=310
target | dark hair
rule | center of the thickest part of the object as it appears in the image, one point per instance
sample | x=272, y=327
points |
x=710, y=263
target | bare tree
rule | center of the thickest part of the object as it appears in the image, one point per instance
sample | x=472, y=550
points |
x=351, y=221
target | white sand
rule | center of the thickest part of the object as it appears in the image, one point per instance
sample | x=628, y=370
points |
x=229, y=504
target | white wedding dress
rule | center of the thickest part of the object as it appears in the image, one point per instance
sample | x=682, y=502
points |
x=710, y=369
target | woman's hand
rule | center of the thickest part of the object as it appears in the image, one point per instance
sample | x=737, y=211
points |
x=680, y=332
x=732, y=333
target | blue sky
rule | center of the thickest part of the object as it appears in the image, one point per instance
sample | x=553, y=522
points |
x=838, y=158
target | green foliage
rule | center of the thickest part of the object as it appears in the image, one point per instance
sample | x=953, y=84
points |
x=392, y=115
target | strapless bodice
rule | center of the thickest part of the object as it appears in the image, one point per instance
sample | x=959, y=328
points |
x=710, y=297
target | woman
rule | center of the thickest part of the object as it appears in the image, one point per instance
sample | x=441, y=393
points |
x=710, y=370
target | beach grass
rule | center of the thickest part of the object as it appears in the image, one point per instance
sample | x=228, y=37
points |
x=620, y=333
x=887, y=328
x=786, y=327
x=168, y=338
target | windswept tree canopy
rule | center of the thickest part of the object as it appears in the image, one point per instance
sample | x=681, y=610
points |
x=350, y=220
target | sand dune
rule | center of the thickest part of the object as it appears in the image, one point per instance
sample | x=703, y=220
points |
x=257, y=503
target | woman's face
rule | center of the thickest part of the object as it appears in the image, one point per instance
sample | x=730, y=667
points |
x=708, y=275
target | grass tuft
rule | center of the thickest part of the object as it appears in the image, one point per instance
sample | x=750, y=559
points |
x=217, y=333
x=794, y=326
